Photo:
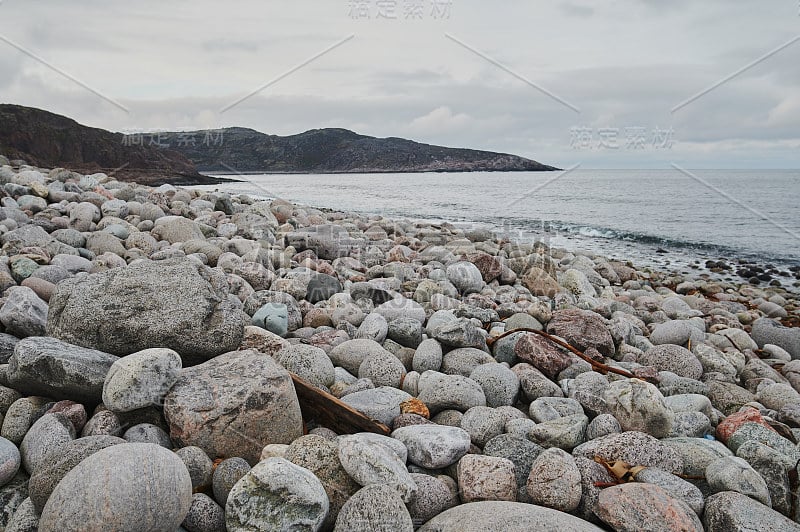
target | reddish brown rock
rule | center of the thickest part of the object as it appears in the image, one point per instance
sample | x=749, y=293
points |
x=639, y=506
x=731, y=424
x=317, y=317
x=542, y=354
x=582, y=329
x=489, y=266
x=540, y=283
x=75, y=412
x=43, y=289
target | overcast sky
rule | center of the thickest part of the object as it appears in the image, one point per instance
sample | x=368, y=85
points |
x=569, y=82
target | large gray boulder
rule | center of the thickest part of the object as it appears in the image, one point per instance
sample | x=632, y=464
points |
x=174, y=303
x=234, y=405
x=276, y=495
x=501, y=515
x=126, y=487
x=49, y=367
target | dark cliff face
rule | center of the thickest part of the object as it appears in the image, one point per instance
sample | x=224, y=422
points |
x=49, y=140
x=334, y=151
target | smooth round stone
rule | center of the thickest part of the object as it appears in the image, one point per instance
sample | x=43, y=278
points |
x=199, y=465
x=276, y=495
x=483, y=423
x=401, y=307
x=148, y=433
x=500, y=384
x=731, y=473
x=381, y=404
x=694, y=424
x=392, y=444
x=502, y=515
x=522, y=320
x=320, y=456
x=519, y=427
x=126, y=487
x=427, y=356
x=675, y=332
x=431, y=498
x=406, y=332
x=377, y=507
x=10, y=461
x=486, y=478
x=60, y=462
x=503, y=350
x=274, y=450
x=49, y=433
x=772, y=466
x=639, y=406
x=205, y=515
x=374, y=327
x=450, y=418
x=141, y=379
x=383, y=369
x=309, y=363
x=565, y=432
x=551, y=408
x=602, y=425
x=729, y=510
x=466, y=277
x=554, y=481
x=445, y=392
x=368, y=462
x=433, y=446
x=273, y=317
x=674, y=358
x=227, y=473
x=350, y=354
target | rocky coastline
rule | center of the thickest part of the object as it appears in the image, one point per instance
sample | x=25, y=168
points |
x=152, y=339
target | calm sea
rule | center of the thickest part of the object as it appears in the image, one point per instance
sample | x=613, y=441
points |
x=652, y=217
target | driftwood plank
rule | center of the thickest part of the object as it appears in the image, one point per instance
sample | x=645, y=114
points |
x=330, y=412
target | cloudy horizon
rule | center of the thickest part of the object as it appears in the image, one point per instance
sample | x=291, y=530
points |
x=632, y=84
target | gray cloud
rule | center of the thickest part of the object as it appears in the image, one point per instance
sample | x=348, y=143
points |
x=625, y=64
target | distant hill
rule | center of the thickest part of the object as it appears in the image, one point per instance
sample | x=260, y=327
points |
x=49, y=140
x=332, y=150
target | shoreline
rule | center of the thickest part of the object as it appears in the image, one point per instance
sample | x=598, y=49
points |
x=703, y=262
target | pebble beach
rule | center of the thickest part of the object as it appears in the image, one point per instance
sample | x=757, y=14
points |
x=150, y=338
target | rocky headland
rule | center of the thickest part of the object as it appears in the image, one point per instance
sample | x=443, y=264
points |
x=152, y=341
x=332, y=151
